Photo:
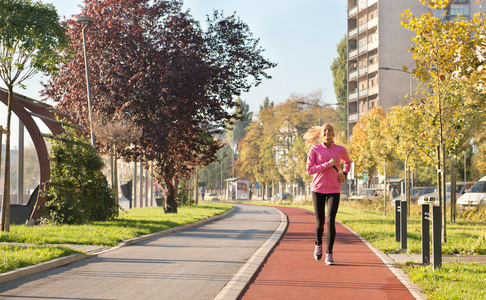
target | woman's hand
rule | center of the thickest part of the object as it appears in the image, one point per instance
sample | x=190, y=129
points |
x=342, y=177
x=332, y=162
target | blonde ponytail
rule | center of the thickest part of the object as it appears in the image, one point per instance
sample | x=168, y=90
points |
x=314, y=133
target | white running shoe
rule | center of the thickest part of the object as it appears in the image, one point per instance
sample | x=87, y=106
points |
x=329, y=259
x=318, y=252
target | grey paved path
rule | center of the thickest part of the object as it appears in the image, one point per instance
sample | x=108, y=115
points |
x=195, y=263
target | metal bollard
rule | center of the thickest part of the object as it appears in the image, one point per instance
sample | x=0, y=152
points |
x=403, y=225
x=397, y=221
x=436, y=232
x=425, y=234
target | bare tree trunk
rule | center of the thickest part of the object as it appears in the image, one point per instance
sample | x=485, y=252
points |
x=5, y=222
x=170, y=203
x=453, y=190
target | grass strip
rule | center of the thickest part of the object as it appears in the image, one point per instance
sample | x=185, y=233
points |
x=129, y=224
x=15, y=257
x=452, y=281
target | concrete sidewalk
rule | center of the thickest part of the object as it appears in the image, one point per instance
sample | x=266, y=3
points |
x=206, y=261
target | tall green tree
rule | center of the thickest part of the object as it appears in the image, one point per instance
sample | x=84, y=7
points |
x=31, y=38
x=238, y=130
x=340, y=74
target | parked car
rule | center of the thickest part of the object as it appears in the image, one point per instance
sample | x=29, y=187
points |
x=474, y=197
x=283, y=197
x=366, y=194
x=415, y=193
x=461, y=188
x=211, y=197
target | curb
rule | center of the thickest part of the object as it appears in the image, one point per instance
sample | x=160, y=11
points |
x=414, y=289
x=237, y=285
x=62, y=261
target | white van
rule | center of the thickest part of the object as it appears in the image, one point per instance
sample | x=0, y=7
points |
x=474, y=197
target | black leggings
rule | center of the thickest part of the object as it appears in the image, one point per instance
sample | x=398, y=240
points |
x=319, y=208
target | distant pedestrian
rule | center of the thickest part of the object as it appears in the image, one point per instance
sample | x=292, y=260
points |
x=323, y=162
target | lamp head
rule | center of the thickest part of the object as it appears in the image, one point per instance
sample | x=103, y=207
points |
x=85, y=20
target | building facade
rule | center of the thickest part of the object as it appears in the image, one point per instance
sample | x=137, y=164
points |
x=378, y=50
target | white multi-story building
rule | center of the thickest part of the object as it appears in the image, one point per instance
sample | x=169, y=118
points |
x=378, y=50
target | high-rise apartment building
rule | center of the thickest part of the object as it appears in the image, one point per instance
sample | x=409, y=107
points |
x=378, y=50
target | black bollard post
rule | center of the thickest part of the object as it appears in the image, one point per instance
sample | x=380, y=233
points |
x=436, y=232
x=403, y=225
x=397, y=221
x=425, y=234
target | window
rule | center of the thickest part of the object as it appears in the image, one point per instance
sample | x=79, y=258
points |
x=459, y=9
x=373, y=37
x=373, y=82
x=373, y=15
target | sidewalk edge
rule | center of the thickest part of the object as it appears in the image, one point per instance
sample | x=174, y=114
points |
x=62, y=261
x=414, y=289
x=235, y=287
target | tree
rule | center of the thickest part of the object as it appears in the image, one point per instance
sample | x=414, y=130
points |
x=78, y=191
x=244, y=115
x=116, y=134
x=211, y=173
x=340, y=74
x=368, y=147
x=273, y=149
x=30, y=40
x=448, y=55
x=152, y=63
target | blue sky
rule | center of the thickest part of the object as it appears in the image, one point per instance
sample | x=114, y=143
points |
x=300, y=35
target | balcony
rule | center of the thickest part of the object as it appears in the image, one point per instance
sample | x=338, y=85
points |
x=353, y=53
x=352, y=96
x=352, y=11
x=373, y=23
x=373, y=90
x=353, y=32
x=372, y=45
x=373, y=68
x=362, y=4
x=363, y=49
x=353, y=118
x=353, y=74
x=363, y=93
x=363, y=71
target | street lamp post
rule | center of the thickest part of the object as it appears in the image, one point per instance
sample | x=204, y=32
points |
x=320, y=107
x=86, y=21
x=400, y=70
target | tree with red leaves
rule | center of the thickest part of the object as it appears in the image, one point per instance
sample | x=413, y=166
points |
x=152, y=63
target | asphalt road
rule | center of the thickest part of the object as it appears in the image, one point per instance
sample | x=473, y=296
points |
x=197, y=263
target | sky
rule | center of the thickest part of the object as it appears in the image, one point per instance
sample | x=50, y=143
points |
x=301, y=36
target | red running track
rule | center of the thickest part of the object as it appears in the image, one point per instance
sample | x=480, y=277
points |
x=290, y=271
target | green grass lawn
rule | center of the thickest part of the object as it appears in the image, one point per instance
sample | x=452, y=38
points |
x=129, y=224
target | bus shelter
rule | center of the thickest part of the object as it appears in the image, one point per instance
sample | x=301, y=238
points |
x=238, y=188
